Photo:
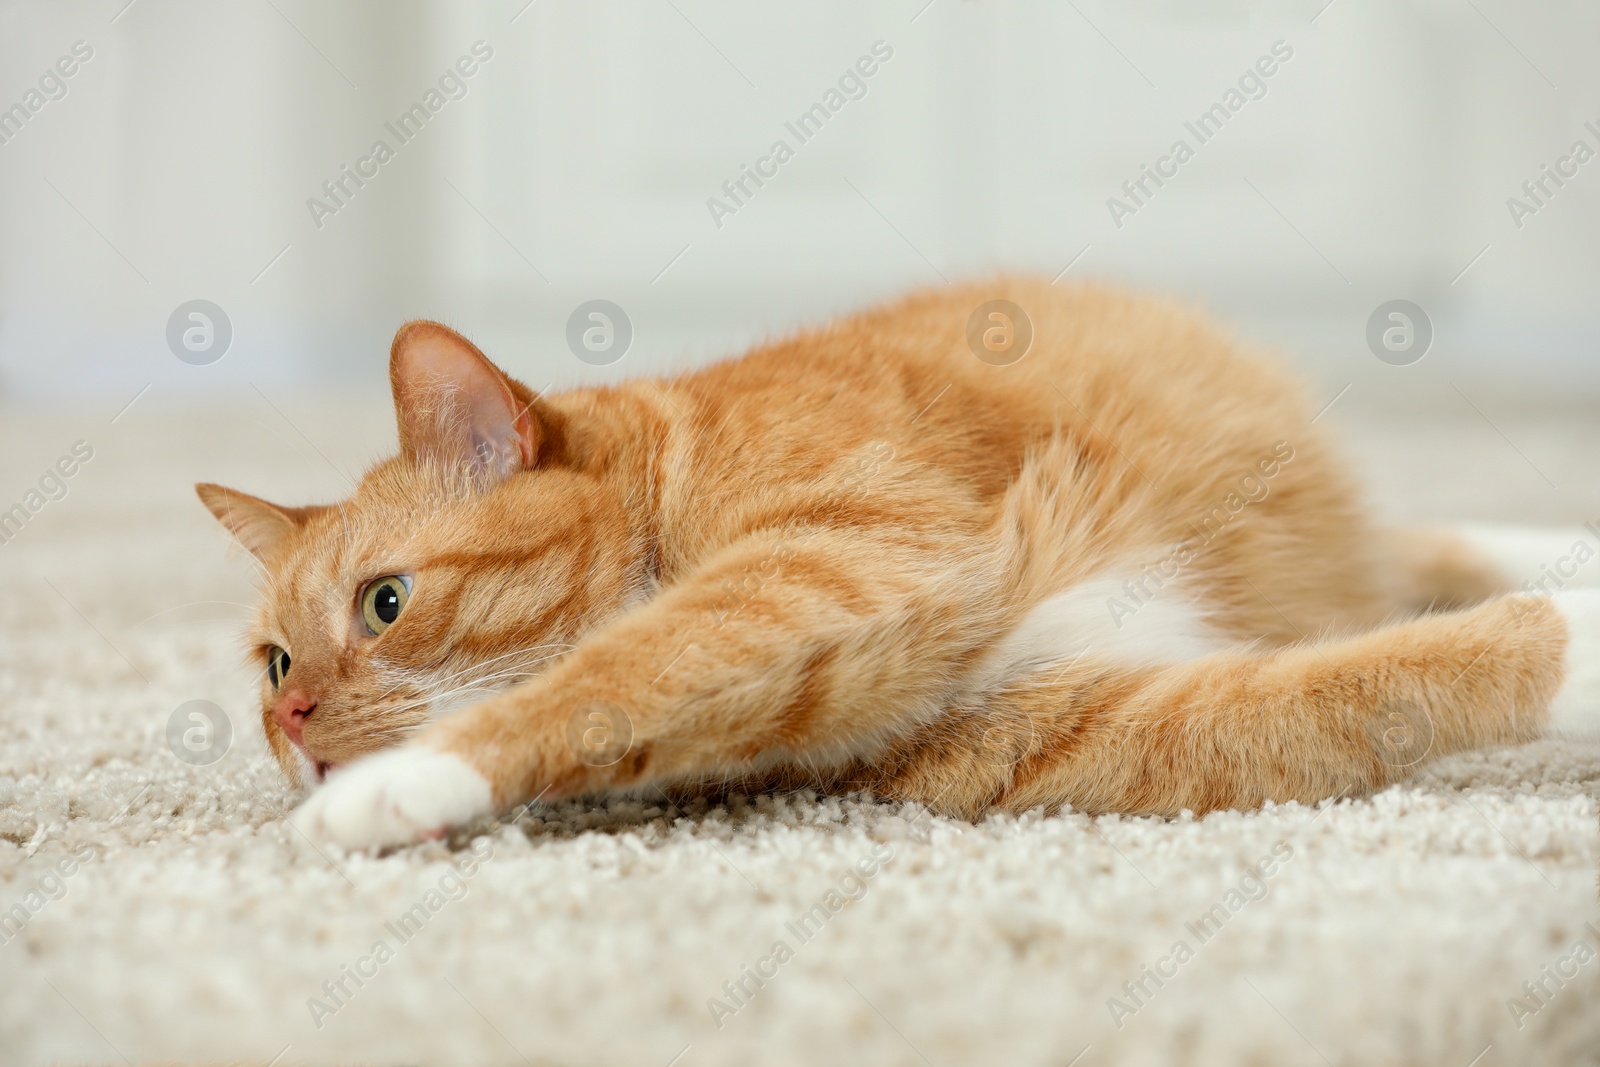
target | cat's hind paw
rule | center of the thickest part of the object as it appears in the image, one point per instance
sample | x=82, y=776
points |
x=394, y=798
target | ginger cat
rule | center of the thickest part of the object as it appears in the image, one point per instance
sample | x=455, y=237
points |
x=1124, y=573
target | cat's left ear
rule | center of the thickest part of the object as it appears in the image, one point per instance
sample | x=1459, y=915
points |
x=256, y=524
x=457, y=409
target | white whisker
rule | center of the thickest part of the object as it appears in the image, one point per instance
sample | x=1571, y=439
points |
x=439, y=696
x=407, y=675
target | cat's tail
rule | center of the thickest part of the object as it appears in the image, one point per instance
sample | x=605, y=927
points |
x=1445, y=568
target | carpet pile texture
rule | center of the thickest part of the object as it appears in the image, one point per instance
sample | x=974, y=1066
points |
x=157, y=910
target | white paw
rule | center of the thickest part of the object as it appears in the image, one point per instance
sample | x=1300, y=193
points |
x=1575, y=713
x=393, y=798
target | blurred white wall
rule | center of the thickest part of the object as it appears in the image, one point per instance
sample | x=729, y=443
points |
x=1377, y=165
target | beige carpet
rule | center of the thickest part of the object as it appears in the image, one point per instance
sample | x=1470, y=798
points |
x=1392, y=930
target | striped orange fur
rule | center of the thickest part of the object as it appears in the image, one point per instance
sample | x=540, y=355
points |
x=1124, y=573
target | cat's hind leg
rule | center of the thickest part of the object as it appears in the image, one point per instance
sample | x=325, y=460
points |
x=1237, y=729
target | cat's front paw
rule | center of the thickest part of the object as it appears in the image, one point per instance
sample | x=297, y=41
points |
x=394, y=798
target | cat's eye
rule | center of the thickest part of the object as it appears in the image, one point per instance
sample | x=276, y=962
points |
x=383, y=600
x=277, y=666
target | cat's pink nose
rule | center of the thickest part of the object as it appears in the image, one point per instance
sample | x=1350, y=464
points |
x=293, y=708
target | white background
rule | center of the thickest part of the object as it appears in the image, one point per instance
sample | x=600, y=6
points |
x=1377, y=166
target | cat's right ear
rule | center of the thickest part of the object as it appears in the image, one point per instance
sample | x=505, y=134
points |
x=459, y=411
x=256, y=524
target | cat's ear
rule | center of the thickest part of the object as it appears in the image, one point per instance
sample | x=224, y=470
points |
x=256, y=524
x=457, y=409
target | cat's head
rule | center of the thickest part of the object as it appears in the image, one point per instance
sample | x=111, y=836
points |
x=458, y=568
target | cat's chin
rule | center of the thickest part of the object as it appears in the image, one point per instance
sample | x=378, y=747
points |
x=309, y=772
